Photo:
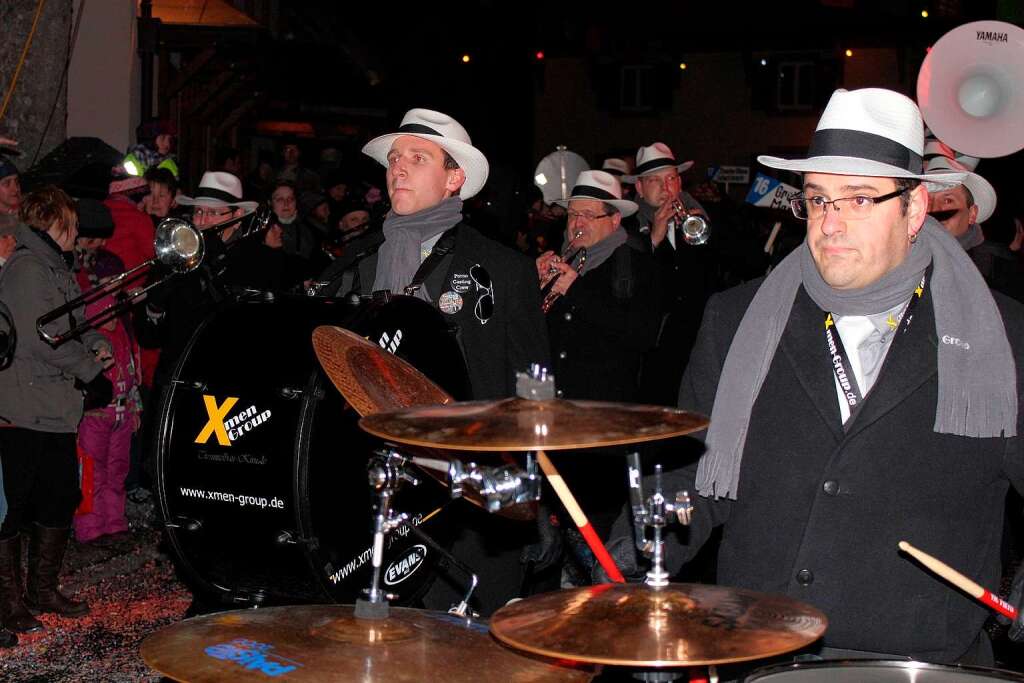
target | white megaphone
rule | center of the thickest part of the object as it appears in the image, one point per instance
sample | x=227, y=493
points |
x=971, y=89
x=557, y=172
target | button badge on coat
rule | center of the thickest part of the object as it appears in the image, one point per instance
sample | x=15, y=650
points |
x=450, y=303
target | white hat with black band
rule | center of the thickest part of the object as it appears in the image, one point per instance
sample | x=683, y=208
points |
x=867, y=132
x=602, y=186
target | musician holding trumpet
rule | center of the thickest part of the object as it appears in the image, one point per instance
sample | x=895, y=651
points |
x=678, y=228
x=603, y=310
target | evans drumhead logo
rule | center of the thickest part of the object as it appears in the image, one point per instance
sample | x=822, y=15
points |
x=406, y=565
x=229, y=428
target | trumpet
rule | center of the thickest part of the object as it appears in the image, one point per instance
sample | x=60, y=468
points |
x=576, y=259
x=180, y=247
x=694, y=227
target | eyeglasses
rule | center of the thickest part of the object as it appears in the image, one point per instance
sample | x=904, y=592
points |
x=200, y=212
x=586, y=215
x=849, y=208
x=484, y=308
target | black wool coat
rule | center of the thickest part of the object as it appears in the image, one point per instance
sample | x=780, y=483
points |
x=819, y=511
x=513, y=337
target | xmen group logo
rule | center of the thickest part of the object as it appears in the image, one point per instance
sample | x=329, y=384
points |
x=227, y=429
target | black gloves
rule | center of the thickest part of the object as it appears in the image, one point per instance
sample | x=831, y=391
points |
x=624, y=554
x=98, y=393
x=547, y=551
x=1016, y=632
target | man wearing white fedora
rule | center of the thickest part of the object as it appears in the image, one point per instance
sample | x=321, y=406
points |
x=174, y=311
x=869, y=381
x=604, y=316
x=962, y=209
x=688, y=271
x=485, y=291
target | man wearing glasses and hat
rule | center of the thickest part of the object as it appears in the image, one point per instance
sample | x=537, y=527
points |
x=864, y=393
x=488, y=292
x=174, y=311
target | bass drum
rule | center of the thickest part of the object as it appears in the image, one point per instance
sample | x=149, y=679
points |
x=261, y=467
x=878, y=671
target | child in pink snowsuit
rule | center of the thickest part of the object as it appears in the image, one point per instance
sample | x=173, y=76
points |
x=105, y=435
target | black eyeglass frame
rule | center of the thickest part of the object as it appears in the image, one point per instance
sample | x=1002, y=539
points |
x=799, y=202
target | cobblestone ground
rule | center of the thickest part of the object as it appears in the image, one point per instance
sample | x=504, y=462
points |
x=132, y=590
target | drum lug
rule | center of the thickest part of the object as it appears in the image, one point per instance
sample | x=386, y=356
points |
x=182, y=522
x=287, y=537
x=290, y=393
x=250, y=598
x=195, y=386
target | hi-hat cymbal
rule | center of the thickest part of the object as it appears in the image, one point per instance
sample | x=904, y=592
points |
x=637, y=625
x=328, y=643
x=516, y=424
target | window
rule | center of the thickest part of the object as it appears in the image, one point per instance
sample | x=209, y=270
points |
x=795, y=86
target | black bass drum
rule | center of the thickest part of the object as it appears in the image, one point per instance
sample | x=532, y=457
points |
x=261, y=468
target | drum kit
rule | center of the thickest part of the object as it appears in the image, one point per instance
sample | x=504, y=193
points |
x=655, y=630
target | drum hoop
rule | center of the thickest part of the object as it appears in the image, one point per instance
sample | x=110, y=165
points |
x=994, y=674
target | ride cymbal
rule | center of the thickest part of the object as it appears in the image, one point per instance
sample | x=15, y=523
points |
x=517, y=424
x=325, y=643
x=640, y=626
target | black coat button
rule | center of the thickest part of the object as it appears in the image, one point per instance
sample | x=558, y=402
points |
x=805, y=577
x=831, y=487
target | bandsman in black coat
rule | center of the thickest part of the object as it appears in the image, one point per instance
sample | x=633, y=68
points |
x=604, y=312
x=864, y=393
x=487, y=292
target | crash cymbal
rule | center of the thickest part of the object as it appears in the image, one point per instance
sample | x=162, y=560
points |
x=516, y=424
x=636, y=625
x=328, y=643
x=373, y=380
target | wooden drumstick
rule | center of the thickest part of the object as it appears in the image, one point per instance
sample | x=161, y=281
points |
x=982, y=595
x=579, y=519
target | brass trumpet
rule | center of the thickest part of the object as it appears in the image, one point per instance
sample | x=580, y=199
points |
x=576, y=259
x=694, y=227
x=179, y=245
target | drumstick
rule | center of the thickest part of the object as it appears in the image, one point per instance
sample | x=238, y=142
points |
x=982, y=595
x=580, y=519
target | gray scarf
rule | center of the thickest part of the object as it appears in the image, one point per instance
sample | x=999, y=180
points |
x=399, y=256
x=977, y=375
x=972, y=238
x=600, y=252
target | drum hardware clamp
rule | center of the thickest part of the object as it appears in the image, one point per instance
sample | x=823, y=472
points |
x=655, y=512
x=182, y=522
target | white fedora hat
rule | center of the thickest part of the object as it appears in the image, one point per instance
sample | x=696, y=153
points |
x=982, y=191
x=615, y=166
x=654, y=158
x=933, y=147
x=446, y=132
x=866, y=132
x=602, y=186
x=218, y=189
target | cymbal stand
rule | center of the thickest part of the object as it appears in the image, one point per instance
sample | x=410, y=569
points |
x=655, y=512
x=386, y=471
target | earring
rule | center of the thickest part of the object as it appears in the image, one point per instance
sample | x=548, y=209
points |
x=913, y=238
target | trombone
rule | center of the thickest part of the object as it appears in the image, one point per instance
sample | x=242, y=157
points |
x=180, y=247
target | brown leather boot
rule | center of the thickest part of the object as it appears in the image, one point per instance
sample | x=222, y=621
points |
x=45, y=557
x=13, y=613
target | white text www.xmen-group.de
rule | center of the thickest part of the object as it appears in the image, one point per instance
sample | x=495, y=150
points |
x=242, y=501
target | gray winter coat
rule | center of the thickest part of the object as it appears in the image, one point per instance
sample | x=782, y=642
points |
x=37, y=391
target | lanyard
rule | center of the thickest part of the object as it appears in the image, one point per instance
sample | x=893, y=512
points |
x=837, y=353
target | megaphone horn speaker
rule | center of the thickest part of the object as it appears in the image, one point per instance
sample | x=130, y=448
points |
x=971, y=89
